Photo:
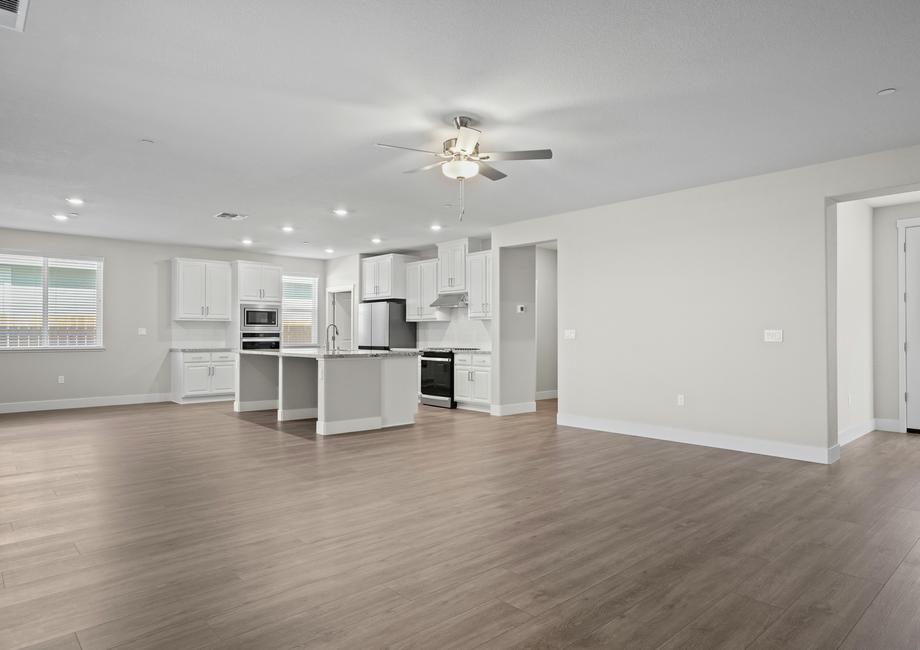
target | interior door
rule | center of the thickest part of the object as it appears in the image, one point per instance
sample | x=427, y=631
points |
x=912, y=309
x=217, y=291
x=191, y=290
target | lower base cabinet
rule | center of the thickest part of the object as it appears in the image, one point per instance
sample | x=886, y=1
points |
x=473, y=378
x=203, y=374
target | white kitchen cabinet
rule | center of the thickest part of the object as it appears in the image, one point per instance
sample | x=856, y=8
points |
x=258, y=282
x=473, y=379
x=452, y=266
x=421, y=291
x=203, y=374
x=383, y=277
x=201, y=290
x=479, y=279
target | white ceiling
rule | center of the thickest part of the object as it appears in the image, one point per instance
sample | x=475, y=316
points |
x=273, y=109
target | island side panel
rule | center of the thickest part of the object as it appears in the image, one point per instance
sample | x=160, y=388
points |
x=256, y=383
x=349, y=395
x=399, y=390
x=297, y=393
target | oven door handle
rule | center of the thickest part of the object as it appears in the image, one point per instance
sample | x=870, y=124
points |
x=438, y=359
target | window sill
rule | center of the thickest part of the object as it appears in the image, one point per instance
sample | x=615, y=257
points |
x=55, y=349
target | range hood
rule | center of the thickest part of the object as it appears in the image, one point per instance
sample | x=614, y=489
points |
x=450, y=300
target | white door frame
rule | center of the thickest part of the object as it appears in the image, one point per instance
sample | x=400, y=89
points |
x=903, y=225
x=354, y=309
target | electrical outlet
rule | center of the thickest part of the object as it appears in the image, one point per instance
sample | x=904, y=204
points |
x=521, y=309
x=568, y=335
x=142, y=331
x=680, y=399
x=60, y=379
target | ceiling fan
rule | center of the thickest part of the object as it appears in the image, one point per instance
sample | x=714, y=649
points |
x=461, y=159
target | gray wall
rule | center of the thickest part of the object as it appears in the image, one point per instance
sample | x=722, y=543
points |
x=855, y=398
x=517, y=269
x=136, y=293
x=885, y=302
x=547, y=315
x=690, y=280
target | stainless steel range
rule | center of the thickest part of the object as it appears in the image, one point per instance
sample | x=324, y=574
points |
x=437, y=377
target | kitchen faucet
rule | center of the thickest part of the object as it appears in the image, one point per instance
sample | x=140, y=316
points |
x=335, y=332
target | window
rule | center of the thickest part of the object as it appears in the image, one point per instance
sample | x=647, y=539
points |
x=298, y=310
x=50, y=302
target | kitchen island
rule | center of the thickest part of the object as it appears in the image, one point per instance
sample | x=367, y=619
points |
x=345, y=391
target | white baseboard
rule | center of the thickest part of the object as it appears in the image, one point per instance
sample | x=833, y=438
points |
x=297, y=414
x=889, y=424
x=813, y=454
x=255, y=405
x=855, y=432
x=513, y=409
x=547, y=394
x=203, y=399
x=83, y=402
x=324, y=428
x=473, y=406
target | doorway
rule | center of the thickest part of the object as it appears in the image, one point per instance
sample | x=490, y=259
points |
x=340, y=308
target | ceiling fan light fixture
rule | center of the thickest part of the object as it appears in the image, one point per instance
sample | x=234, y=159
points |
x=460, y=169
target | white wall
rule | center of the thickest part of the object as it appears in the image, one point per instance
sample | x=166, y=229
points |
x=517, y=336
x=885, y=300
x=855, y=394
x=690, y=280
x=547, y=314
x=136, y=293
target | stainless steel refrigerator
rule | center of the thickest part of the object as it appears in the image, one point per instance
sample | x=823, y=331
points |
x=382, y=326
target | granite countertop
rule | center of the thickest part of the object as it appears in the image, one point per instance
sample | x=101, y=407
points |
x=319, y=353
x=201, y=348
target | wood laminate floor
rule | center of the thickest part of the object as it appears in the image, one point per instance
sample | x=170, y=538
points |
x=165, y=526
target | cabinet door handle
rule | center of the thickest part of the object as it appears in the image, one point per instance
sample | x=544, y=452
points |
x=202, y=310
x=207, y=310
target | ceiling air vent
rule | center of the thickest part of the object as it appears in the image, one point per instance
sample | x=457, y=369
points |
x=224, y=216
x=13, y=14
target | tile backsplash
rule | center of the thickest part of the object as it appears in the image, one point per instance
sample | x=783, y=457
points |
x=459, y=331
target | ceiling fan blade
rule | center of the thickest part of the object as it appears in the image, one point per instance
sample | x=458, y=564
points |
x=425, y=168
x=533, y=154
x=396, y=146
x=490, y=172
x=467, y=139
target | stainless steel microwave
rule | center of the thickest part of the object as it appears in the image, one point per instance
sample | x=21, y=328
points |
x=260, y=318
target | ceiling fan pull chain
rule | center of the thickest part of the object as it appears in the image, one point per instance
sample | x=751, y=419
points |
x=462, y=206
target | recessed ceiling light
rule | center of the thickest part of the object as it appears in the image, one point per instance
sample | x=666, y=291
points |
x=376, y=240
x=60, y=217
x=246, y=242
x=146, y=141
x=435, y=227
x=340, y=212
x=886, y=91
x=287, y=228
x=230, y=216
x=73, y=200
x=330, y=251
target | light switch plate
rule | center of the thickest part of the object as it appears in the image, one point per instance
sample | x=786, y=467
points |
x=142, y=331
x=60, y=379
x=773, y=336
x=568, y=335
x=521, y=309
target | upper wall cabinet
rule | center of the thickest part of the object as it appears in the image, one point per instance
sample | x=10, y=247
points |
x=421, y=291
x=201, y=289
x=383, y=277
x=452, y=264
x=258, y=282
x=479, y=279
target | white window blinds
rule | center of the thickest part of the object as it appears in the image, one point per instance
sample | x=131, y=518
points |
x=50, y=302
x=298, y=310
